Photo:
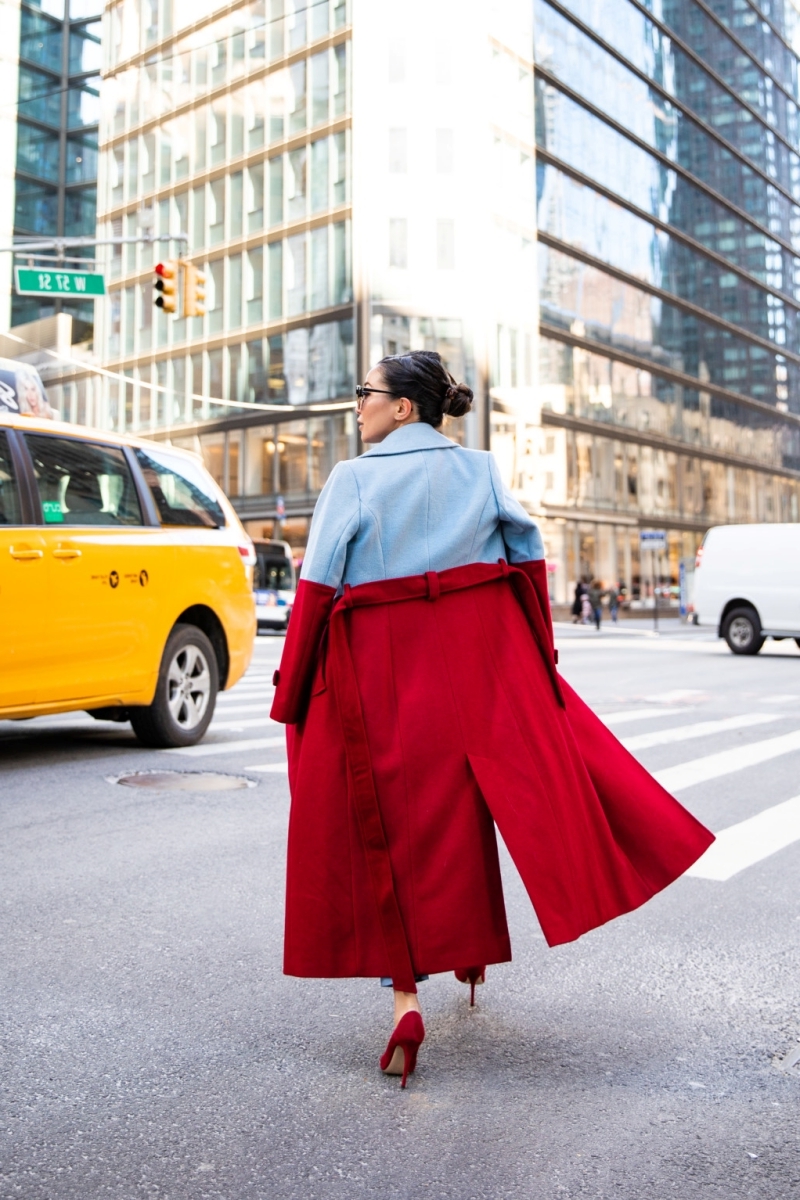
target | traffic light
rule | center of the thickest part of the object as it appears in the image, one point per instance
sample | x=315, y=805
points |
x=166, y=284
x=194, y=291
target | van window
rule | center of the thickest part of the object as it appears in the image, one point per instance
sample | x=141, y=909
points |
x=183, y=493
x=273, y=571
x=9, y=495
x=83, y=483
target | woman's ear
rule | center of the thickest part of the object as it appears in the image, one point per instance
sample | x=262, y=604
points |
x=404, y=408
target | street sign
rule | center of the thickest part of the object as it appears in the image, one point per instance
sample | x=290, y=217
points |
x=654, y=540
x=33, y=281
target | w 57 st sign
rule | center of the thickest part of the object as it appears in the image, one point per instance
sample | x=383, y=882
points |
x=32, y=281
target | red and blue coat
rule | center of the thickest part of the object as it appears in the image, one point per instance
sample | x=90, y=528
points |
x=425, y=711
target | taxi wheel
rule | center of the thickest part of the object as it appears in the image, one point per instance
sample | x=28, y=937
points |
x=188, y=682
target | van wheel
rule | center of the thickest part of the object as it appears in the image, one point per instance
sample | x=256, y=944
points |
x=742, y=631
x=188, y=682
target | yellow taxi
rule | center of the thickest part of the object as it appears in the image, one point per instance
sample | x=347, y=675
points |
x=125, y=581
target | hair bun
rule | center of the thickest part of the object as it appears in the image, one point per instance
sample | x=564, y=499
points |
x=457, y=400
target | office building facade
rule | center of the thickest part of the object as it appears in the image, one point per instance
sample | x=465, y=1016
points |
x=334, y=212
x=668, y=182
x=588, y=208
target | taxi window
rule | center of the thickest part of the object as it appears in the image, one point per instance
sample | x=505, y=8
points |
x=184, y=495
x=9, y=496
x=83, y=483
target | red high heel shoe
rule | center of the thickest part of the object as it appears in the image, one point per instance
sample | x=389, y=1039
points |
x=408, y=1036
x=472, y=976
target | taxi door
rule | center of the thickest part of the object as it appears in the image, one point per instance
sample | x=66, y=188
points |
x=24, y=609
x=97, y=552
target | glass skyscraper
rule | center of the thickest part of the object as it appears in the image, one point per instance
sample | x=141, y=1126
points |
x=668, y=187
x=58, y=111
x=347, y=192
x=590, y=207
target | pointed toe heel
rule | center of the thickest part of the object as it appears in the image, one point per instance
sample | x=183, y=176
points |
x=473, y=976
x=400, y=1056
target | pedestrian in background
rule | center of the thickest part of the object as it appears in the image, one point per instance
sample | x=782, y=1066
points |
x=419, y=684
x=596, y=602
x=577, y=603
x=613, y=602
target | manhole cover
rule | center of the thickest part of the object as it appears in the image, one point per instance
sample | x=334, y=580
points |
x=184, y=781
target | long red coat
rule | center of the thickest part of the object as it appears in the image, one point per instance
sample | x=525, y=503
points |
x=422, y=712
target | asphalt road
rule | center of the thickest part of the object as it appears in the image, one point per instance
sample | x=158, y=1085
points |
x=151, y=1046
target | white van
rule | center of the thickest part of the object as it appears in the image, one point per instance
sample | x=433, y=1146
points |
x=747, y=584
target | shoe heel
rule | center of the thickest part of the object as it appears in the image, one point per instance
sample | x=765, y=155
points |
x=473, y=976
x=408, y=1037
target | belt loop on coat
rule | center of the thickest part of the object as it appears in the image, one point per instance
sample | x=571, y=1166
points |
x=503, y=567
x=432, y=579
x=348, y=599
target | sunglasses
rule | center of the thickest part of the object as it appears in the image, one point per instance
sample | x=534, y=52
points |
x=363, y=391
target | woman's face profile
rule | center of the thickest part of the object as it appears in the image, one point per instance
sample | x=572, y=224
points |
x=379, y=413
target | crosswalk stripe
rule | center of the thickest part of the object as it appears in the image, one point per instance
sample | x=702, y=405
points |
x=683, y=733
x=227, y=709
x=272, y=768
x=638, y=714
x=712, y=766
x=233, y=747
x=253, y=723
x=743, y=845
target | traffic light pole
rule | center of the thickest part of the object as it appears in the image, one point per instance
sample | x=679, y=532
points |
x=74, y=243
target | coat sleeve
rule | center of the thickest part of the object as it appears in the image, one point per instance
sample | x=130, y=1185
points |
x=333, y=526
x=310, y=614
x=520, y=531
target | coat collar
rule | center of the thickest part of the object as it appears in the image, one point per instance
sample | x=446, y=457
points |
x=418, y=436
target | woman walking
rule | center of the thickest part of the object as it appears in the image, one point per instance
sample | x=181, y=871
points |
x=419, y=686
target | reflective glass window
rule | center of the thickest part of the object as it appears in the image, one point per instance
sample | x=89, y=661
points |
x=38, y=151
x=39, y=96
x=40, y=39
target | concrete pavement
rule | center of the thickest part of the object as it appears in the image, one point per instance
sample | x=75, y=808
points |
x=151, y=1046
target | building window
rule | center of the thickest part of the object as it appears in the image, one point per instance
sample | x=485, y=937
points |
x=445, y=151
x=446, y=244
x=276, y=190
x=235, y=291
x=255, y=285
x=398, y=151
x=255, y=197
x=296, y=275
x=216, y=297
x=398, y=242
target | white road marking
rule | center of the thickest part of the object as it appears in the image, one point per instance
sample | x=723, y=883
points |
x=231, y=747
x=244, y=709
x=740, y=846
x=272, y=768
x=678, y=695
x=253, y=723
x=712, y=766
x=638, y=714
x=684, y=733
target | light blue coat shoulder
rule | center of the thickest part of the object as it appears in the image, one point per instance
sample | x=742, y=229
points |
x=416, y=502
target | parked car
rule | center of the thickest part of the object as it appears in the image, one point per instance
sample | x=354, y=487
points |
x=747, y=584
x=125, y=581
x=274, y=584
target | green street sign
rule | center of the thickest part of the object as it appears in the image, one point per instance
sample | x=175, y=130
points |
x=32, y=281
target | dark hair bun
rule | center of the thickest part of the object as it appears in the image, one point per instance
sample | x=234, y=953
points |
x=457, y=400
x=422, y=377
